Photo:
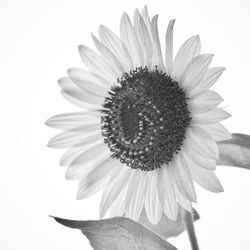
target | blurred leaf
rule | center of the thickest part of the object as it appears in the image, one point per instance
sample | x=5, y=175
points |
x=235, y=151
x=166, y=227
x=118, y=233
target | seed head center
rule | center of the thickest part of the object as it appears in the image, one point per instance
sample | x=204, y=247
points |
x=145, y=118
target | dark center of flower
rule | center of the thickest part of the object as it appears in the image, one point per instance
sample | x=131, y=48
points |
x=144, y=119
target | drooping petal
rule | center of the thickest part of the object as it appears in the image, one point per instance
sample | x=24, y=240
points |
x=114, y=44
x=136, y=194
x=96, y=179
x=195, y=71
x=152, y=202
x=96, y=64
x=167, y=193
x=112, y=191
x=185, y=54
x=182, y=178
x=204, y=101
x=169, y=47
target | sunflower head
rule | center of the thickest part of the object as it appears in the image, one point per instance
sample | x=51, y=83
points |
x=147, y=128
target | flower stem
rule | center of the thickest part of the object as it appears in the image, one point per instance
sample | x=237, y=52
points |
x=189, y=223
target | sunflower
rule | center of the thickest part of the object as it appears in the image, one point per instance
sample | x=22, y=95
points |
x=147, y=129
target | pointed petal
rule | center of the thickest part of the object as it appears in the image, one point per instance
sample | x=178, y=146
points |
x=96, y=64
x=206, y=178
x=68, y=139
x=109, y=57
x=182, y=178
x=80, y=171
x=152, y=202
x=91, y=153
x=96, y=179
x=205, y=142
x=136, y=194
x=158, y=60
x=130, y=39
x=185, y=54
x=112, y=191
x=167, y=193
x=67, y=121
x=204, y=101
x=212, y=75
x=211, y=116
x=144, y=38
x=195, y=71
x=186, y=204
x=169, y=47
x=114, y=44
x=217, y=131
x=83, y=81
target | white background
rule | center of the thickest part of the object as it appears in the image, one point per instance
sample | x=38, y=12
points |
x=39, y=42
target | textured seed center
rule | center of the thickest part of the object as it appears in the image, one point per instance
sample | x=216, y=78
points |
x=145, y=118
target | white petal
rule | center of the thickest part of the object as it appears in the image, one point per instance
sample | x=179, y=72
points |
x=96, y=64
x=67, y=121
x=157, y=58
x=182, y=178
x=195, y=71
x=152, y=202
x=96, y=179
x=186, y=204
x=185, y=54
x=204, y=101
x=85, y=101
x=112, y=191
x=211, y=116
x=118, y=206
x=91, y=153
x=210, y=78
x=69, y=87
x=144, y=38
x=193, y=157
x=70, y=155
x=205, y=141
x=136, y=194
x=169, y=47
x=167, y=193
x=217, y=131
x=206, y=178
x=130, y=39
x=114, y=44
x=68, y=139
x=201, y=142
x=81, y=79
x=109, y=57
x=79, y=171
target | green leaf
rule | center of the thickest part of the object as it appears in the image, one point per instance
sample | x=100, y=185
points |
x=118, y=233
x=235, y=151
x=167, y=228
